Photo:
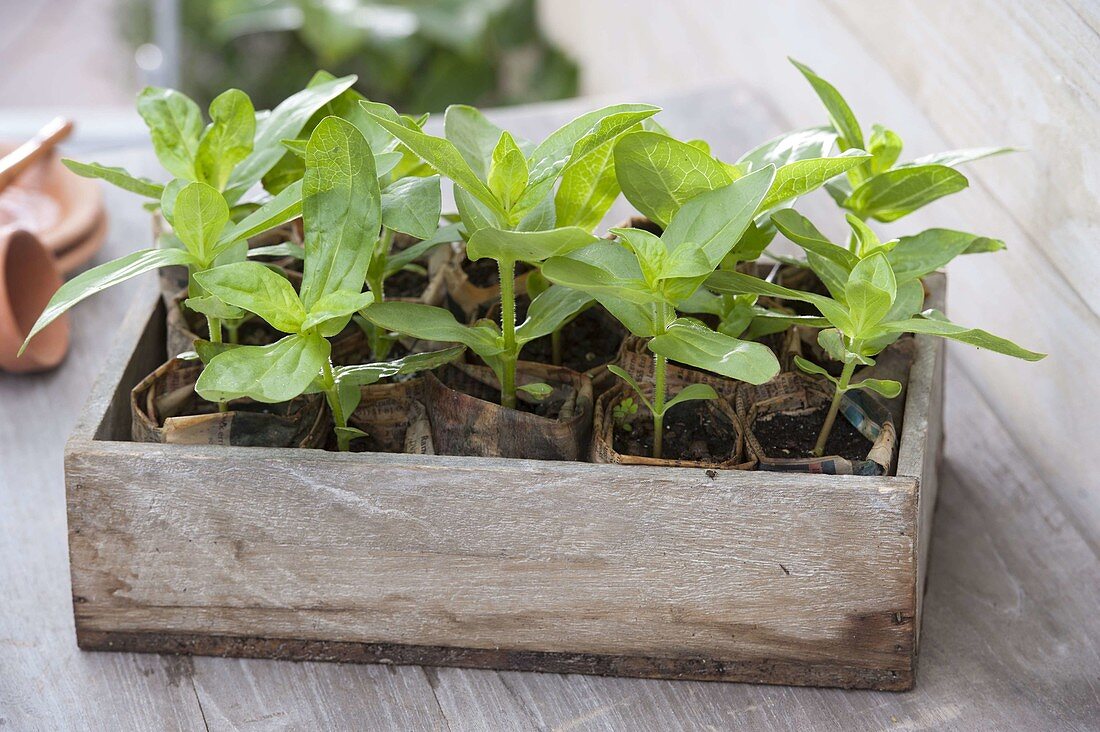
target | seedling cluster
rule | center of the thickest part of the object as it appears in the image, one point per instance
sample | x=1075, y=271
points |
x=358, y=173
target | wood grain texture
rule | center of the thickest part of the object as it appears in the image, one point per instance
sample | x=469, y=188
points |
x=945, y=75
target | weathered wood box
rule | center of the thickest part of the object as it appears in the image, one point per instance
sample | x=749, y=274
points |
x=513, y=564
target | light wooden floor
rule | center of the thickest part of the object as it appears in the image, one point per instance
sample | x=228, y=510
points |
x=1011, y=636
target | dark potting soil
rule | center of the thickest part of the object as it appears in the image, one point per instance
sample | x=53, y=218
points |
x=252, y=332
x=589, y=340
x=486, y=273
x=791, y=436
x=459, y=381
x=405, y=283
x=692, y=432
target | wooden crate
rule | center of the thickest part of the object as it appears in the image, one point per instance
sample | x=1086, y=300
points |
x=512, y=564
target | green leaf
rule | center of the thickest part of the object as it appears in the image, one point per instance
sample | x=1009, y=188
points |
x=886, y=387
x=588, y=188
x=284, y=122
x=932, y=324
x=199, y=215
x=508, y=172
x=631, y=381
x=213, y=307
x=271, y=374
x=885, y=147
x=916, y=256
x=583, y=135
x=253, y=287
x=442, y=155
x=812, y=368
x=473, y=135
x=803, y=176
x=336, y=306
x=866, y=239
x=870, y=292
x=341, y=208
x=813, y=142
x=284, y=207
x=227, y=140
x=370, y=373
x=737, y=283
x=889, y=196
x=951, y=158
x=412, y=206
x=802, y=232
x=116, y=177
x=659, y=174
x=286, y=249
x=602, y=269
x=549, y=311
x=688, y=342
x=527, y=246
x=433, y=324
x=100, y=278
x=691, y=393
x=652, y=253
x=841, y=116
x=399, y=259
x=175, y=125
x=714, y=221
x=538, y=390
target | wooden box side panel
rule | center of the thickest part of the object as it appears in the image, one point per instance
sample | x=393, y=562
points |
x=495, y=555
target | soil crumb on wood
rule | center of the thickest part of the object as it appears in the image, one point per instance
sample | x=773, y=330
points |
x=790, y=436
x=692, y=432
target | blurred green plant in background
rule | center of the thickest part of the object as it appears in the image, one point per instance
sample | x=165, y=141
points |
x=417, y=55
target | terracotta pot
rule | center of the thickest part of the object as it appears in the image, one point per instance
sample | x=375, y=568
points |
x=29, y=277
x=467, y=418
x=64, y=210
x=165, y=408
x=603, y=434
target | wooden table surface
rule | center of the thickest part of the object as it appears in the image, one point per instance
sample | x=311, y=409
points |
x=1011, y=637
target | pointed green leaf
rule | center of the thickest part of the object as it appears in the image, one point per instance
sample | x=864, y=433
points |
x=803, y=176
x=951, y=158
x=281, y=209
x=433, y=324
x=538, y=390
x=116, y=177
x=812, y=368
x=889, y=196
x=813, y=142
x=588, y=188
x=227, y=140
x=687, y=342
x=932, y=324
x=840, y=114
x=284, y=122
x=691, y=393
x=917, y=255
x=736, y=283
x=105, y=275
x=412, y=206
x=802, y=232
x=370, y=373
x=601, y=269
x=399, y=259
x=715, y=220
x=473, y=135
x=341, y=209
x=885, y=147
x=255, y=288
x=508, y=172
x=527, y=246
x=886, y=387
x=271, y=374
x=442, y=155
x=199, y=215
x=175, y=125
x=549, y=310
x=659, y=174
x=870, y=292
x=333, y=310
x=632, y=382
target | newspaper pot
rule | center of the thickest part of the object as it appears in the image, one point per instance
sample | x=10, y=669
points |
x=165, y=408
x=472, y=287
x=727, y=453
x=394, y=418
x=174, y=278
x=467, y=419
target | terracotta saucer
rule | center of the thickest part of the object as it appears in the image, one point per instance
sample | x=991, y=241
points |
x=59, y=207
